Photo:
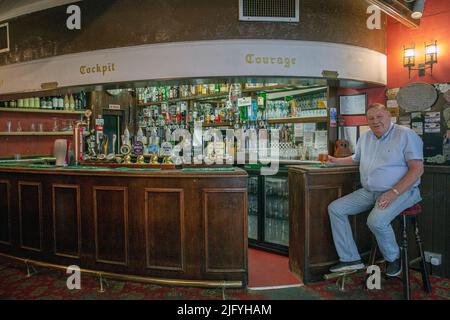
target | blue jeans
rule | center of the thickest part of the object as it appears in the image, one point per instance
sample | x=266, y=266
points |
x=378, y=221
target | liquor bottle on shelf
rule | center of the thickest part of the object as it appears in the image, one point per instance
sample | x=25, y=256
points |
x=37, y=102
x=55, y=103
x=60, y=103
x=71, y=103
x=49, y=103
x=66, y=102
x=83, y=100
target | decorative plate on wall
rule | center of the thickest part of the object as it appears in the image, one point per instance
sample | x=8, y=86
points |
x=417, y=96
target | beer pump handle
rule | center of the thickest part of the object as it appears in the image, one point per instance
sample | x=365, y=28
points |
x=114, y=143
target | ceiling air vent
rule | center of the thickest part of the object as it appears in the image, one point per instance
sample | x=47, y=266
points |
x=269, y=10
x=4, y=37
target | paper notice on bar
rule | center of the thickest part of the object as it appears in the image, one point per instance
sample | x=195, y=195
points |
x=392, y=103
x=309, y=127
x=433, y=117
x=432, y=127
x=298, y=130
x=417, y=127
x=308, y=139
x=320, y=139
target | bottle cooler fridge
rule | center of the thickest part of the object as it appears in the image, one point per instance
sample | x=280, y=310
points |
x=268, y=211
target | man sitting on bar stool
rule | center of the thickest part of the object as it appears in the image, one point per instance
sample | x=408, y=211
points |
x=390, y=159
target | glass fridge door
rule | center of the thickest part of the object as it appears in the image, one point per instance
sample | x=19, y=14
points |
x=252, y=192
x=276, y=216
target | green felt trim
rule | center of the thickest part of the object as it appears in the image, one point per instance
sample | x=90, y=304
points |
x=208, y=169
x=137, y=169
x=317, y=165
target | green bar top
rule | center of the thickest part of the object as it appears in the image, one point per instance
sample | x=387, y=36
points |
x=98, y=168
x=137, y=169
x=92, y=168
x=317, y=165
x=208, y=169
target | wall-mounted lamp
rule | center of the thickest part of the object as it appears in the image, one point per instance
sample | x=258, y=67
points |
x=409, y=59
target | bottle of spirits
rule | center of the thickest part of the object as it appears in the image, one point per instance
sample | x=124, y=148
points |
x=71, y=103
x=83, y=100
x=49, y=104
x=55, y=103
x=61, y=103
x=66, y=103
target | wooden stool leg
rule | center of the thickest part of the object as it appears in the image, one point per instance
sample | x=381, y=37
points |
x=404, y=260
x=425, y=278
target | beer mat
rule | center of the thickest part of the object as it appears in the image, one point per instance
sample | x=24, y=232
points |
x=254, y=166
x=207, y=169
x=318, y=165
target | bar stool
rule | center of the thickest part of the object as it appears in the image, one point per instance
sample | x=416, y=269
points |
x=411, y=214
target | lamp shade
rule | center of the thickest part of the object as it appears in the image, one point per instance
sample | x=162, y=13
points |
x=431, y=49
x=409, y=52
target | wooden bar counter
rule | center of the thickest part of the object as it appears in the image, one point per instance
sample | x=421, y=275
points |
x=312, y=189
x=176, y=227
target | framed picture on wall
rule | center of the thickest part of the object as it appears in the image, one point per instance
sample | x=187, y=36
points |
x=355, y=104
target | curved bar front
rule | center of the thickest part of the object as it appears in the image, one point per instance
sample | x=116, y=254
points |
x=179, y=227
x=312, y=188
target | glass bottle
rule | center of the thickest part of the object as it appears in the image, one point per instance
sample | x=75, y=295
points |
x=54, y=103
x=43, y=103
x=83, y=100
x=66, y=103
x=71, y=103
x=60, y=103
x=31, y=103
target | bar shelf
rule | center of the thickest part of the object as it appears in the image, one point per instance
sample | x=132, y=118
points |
x=32, y=133
x=27, y=110
x=298, y=120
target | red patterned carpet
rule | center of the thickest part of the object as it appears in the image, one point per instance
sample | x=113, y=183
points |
x=51, y=285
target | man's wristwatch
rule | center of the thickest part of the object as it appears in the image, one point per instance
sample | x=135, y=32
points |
x=395, y=191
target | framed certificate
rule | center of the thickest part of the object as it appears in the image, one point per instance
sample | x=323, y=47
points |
x=353, y=104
